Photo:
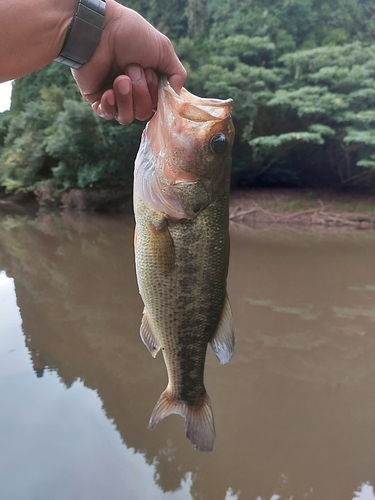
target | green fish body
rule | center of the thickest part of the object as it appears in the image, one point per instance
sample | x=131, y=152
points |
x=181, y=194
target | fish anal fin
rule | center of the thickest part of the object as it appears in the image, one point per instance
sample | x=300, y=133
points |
x=199, y=420
x=148, y=337
x=223, y=341
x=162, y=246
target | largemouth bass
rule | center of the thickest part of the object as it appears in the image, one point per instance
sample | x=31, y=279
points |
x=181, y=191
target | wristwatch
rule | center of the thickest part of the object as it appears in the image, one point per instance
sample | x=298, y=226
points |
x=84, y=34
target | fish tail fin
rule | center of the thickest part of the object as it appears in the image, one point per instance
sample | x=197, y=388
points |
x=199, y=419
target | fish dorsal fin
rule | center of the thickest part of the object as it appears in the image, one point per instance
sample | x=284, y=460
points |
x=148, y=337
x=223, y=341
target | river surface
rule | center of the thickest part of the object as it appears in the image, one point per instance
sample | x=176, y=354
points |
x=294, y=409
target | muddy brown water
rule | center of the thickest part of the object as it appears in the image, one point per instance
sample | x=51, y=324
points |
x=294, y=409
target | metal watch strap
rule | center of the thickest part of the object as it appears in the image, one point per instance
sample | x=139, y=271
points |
x=84, y=34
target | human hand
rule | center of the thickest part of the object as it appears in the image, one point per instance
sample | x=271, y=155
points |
x=121, y=79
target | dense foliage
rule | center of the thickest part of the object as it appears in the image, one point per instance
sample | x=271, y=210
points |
x=301, y=73
x=51, y=137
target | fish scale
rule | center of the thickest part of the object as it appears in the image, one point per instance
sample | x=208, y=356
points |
x=190, y=299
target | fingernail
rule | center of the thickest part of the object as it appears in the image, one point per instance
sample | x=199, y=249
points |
x=149, y=75
x=99, y=111
x=111, y=100
x=124, y=87
x=135, y=73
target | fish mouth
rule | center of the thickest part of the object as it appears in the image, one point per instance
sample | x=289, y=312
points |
x=189, y=106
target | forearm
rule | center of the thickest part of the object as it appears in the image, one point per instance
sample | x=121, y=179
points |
x=32, y=34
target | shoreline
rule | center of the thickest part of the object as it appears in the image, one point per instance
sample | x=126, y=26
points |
x=282, y=207
x=302, y=208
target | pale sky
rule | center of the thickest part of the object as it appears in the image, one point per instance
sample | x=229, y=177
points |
x=5, y=92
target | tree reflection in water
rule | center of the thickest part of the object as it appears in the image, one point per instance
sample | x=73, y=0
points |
x=296, y=398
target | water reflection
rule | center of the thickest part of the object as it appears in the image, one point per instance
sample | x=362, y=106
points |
x=294, y=409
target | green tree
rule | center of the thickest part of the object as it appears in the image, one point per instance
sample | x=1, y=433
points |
x=61, y=140
x=301, y=73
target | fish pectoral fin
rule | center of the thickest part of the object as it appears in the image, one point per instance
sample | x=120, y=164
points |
x=223, y=341
x=199, y=420
x=162, y=246
x=148, y=337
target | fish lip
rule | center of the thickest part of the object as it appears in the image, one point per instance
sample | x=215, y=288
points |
x=192, y=97
x=224, y=106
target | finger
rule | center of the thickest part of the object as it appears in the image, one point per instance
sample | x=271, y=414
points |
x=97, y=108
x=122, y=87
x=108, y=105
x=172, y=67
x=95, y=105
x=106, y=108
x=141, y=97
x=152, y=84
x=177, y=81
x=92, y=95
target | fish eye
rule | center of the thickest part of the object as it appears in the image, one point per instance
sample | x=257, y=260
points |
x=219, y=143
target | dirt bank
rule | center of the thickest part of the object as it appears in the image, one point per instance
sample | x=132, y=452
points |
x=258, y=207
x=292, y=207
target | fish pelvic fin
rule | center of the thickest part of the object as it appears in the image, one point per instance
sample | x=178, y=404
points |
x=223, y=341
x=148, y=337
x=199, y=419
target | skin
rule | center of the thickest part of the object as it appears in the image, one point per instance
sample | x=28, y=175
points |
x=120, y=80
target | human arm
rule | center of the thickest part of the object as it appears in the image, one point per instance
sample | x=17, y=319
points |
x=128, y=43
x=32, y=34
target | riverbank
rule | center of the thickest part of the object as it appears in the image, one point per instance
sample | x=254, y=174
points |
x=255, y=207
x=297, y=207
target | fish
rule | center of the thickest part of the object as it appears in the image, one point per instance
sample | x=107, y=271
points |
x=181, y=208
